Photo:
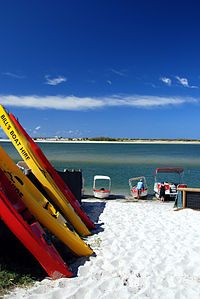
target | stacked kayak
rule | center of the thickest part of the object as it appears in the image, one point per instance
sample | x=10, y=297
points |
x=17, y=217
x=23, y=206
x=57, y=179
x=25, y=150
x=40, y=207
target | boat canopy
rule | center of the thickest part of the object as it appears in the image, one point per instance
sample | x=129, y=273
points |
x=138, y=178
x=105, y=178
x=178, y=170
x=101, y=177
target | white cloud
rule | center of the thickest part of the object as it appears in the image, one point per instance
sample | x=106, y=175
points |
x=168, y=81
x=55, y=81
x=184, y=82
x=109, y=82
x=77, y=103
x=13, y=75
x=37, y=128
x=119, y=73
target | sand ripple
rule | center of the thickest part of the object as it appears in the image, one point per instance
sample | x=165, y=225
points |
x=143, y=250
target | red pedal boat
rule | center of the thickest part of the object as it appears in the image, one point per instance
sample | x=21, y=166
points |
x=172, y=179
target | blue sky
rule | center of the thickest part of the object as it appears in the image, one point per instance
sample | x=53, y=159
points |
x=102, y=68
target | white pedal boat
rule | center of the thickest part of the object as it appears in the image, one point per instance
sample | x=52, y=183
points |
x=101, y=186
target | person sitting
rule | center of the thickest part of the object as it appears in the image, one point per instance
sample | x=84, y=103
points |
x=139, y=187
x=162, y=191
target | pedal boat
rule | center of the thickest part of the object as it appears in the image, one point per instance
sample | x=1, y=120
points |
x=104, y=191
x=174, y=174
x=133, y=184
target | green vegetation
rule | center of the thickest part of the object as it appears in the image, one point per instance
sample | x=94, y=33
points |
x=18, y=268
x=101, y=138
x=9, y=280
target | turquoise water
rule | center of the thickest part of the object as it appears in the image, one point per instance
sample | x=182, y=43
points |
x=120, y=161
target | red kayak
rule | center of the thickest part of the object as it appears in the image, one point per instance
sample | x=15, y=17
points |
x=60, y=183
x=17, y=217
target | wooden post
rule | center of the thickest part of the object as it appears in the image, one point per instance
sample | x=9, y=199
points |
x=184, y=199
x=184, y=194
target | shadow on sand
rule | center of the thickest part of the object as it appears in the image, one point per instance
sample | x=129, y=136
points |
x=14, y=257
x=93, y=209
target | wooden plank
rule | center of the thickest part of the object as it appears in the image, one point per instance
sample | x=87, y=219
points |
x=184, y=199
x=189, y=189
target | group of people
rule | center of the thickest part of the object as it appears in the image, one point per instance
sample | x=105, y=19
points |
x=140, y=187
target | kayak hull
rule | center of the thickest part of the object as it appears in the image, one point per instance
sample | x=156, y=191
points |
x=61, y=184
x=25, y=150
x=40, y=207
x=17, y=217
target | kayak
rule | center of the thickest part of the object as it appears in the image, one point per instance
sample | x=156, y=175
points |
x=41, y=208
x=18, y=218
x=28, y=155
x=57, y=179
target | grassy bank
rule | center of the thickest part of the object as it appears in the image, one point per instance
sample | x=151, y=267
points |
x=18, y=267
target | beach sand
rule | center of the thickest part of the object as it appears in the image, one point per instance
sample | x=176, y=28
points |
x=115, y=142
x=142, y=249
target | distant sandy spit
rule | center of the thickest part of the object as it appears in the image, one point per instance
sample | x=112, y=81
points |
x=113, y=142
x=142, y=250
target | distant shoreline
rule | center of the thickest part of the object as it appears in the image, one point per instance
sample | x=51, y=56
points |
x=113, y=142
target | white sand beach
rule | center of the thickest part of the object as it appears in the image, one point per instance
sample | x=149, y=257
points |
x=143, y=249
x=138, y=141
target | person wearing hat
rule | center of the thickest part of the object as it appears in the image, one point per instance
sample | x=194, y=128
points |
x=162, y=191
x=139, y=187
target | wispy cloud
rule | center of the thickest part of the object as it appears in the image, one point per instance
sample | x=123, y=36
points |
x=167, y=81
x=109, y=82
x=54, y=81
x=36, y=130
x=86, y=103
x=184, y=82
x=13, y=75
x=121, y=73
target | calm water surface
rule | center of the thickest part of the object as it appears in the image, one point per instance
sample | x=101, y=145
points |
x=120, y=161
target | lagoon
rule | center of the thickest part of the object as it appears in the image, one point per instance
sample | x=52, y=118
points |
x=120, y=161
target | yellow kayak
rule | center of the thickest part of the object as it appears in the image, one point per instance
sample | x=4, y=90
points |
x=40, y=207
x=26, y=152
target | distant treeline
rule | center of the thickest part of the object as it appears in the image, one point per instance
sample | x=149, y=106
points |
x=102, y=138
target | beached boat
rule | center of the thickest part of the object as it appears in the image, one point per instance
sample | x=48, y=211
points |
x=172, y=179
x=133, y=187
x=105, y=186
